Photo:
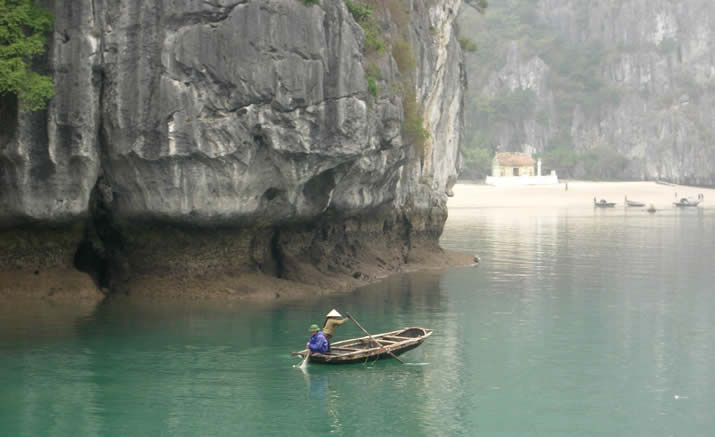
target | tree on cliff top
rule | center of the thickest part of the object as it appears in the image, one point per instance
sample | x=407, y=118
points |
x=23, y=36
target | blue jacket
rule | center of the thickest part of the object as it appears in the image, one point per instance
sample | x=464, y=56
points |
x=318, y=343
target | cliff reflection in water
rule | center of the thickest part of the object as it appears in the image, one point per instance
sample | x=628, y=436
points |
x=133, y=366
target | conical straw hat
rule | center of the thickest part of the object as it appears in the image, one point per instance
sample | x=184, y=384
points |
x=333, y=313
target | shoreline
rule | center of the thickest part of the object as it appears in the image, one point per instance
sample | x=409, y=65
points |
x=182, y=266
x=257, y=287
x=62, y=287
x=579, y=194
x=260, y=265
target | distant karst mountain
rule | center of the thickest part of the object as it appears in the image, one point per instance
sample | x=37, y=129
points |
x=600, y=89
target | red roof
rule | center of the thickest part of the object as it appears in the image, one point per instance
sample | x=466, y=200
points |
x=506, y=159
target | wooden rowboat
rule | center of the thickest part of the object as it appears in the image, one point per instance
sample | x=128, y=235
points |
x=359, y=350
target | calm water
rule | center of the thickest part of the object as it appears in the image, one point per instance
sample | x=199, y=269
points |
x=577, y=322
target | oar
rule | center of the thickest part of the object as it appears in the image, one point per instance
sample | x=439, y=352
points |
x=371, y=338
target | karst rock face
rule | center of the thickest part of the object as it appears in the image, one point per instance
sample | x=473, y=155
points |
x=646, y=72
x=233, y=117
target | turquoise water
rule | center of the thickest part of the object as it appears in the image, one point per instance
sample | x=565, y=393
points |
x=577, y=322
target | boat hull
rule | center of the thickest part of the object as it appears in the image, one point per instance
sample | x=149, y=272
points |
x=685, y=202
x=372, y=348
x=374, y=357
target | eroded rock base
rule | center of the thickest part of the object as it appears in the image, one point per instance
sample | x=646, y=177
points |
x=278, y=262
x=38, y=263
x=164, y=260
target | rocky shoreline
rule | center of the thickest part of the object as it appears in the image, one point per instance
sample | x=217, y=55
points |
x=36, y=262
x=172, y=261
x=259, y=287
x=67, y=285
x=61, y=286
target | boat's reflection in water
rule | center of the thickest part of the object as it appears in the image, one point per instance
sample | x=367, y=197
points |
x=320, y=393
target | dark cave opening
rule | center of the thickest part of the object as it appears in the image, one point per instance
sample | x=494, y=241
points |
x=277, y=254
x=102, y=242
x=92, y=260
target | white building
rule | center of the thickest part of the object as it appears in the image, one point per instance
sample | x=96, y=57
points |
x=518, y=169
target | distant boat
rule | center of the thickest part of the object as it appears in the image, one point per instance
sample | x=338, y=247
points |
x=603, y=204
x=633, y=203
x=651, y=208
x=689, y=201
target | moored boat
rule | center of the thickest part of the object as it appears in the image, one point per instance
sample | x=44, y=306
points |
x=603, y=204
x=359, y=350
x=688, y=201
x=633, y=203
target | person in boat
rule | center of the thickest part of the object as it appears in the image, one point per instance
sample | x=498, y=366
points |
x=332, y=320
x=317, y=344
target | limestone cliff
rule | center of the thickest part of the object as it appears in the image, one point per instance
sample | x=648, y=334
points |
x=210, y=138
x=626, y=85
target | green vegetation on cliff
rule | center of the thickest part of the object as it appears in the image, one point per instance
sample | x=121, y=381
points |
x=24, y=28
x=385, y=24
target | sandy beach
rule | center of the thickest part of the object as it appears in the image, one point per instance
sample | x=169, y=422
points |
x=579, y=194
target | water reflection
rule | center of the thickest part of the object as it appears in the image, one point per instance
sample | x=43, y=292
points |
x=39, y=320
x=596, y=306
x=575, y=323
x=320, y=394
